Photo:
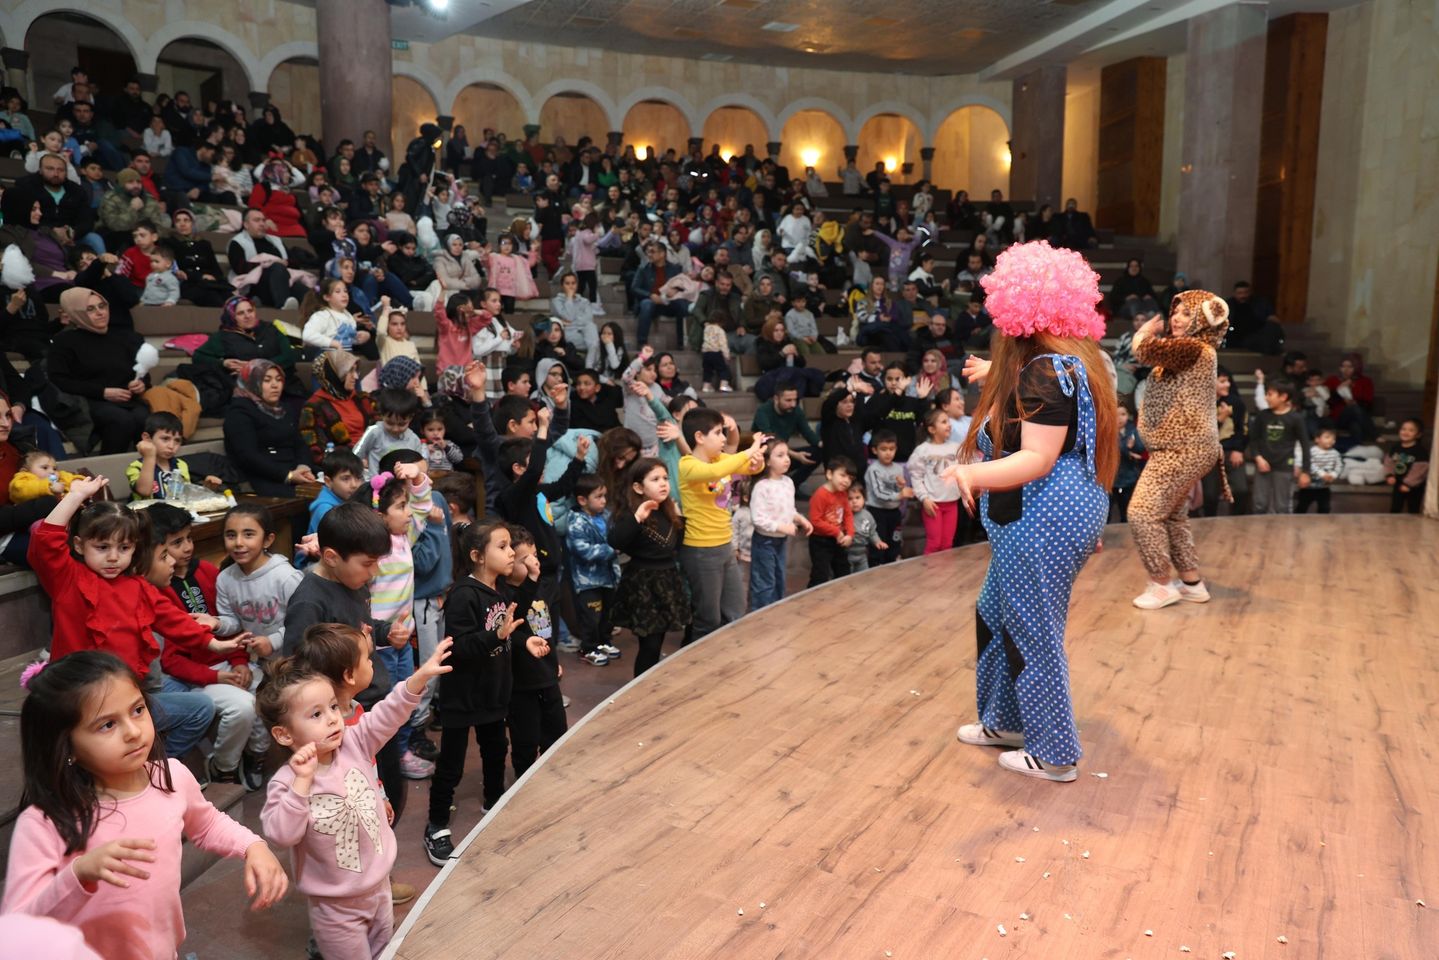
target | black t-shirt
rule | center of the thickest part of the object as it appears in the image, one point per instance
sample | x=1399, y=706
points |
x=1039, y=391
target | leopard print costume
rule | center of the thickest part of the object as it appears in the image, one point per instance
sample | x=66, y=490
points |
x=1177, y=423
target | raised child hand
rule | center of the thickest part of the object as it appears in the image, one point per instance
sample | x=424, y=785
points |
x=265, y=879
x=110, y=862
x=83, y=488
x=532, y=566
x=305, y=761
x=434, y=666
x=582, y=447
x=509, y=624
x=643, y=511
x=145, y=448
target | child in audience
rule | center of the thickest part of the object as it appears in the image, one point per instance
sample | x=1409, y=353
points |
x=594, y=569
x=515, y=381
x=951, y=401
x=480, y=616
x=254, y=588
x=707, y=556
x=344, y=473
x=39, y=477
x=1326, y=466
x=536, y=716
x=510, y=272
x=1132, y=454
x=741, y=523
x=162, y=287
x=895, y=409
x=440, y=454
x=652, y=598
x=494, y=340
x=331, y=326
x=152, y=476
x=887, y=489
x=350, y=542
x=614, y=358
x=1407, y=465
x=99, y=839
x=800, y=324
x=775, y=519
x=226, y=678
x=96, y=559
x=1272, y=436
x=135, y=261
x=394, y=337
x=938, y=495
x=461, y=493
x=397, y=409
x=639, y=417
x=866, y=532
x=714, y=355
x=324, y=804
x=401, y=497
x=833, y=523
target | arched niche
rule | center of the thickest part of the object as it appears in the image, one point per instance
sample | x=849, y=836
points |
x=893, y=140
x=61, y=40
x=410, y=106
x=294, y=90
x=971, y=152
x=813, y=138
x=203, y=68
x=735, y=128
x=657, y=124
x=482, y=105
x=572, y=116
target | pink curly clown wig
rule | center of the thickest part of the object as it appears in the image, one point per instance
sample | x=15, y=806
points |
x=1035, y=288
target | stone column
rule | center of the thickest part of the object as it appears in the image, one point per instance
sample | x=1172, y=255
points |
x=851, y=151
x=613, y=138
x=1036, y=171
x=773, y=149
x=445, y=122
x=1219, y=162
x=926, y=156
x=355, y=69
x=695, y=143
x=16, y=61
x=258, y=100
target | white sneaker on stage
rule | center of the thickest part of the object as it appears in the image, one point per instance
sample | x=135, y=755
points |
x=980, y=735
x=1158, y=595
x=1024, y=764
x=1195, y=594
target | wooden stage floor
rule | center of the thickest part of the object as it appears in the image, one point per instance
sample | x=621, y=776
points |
x=1259, y=767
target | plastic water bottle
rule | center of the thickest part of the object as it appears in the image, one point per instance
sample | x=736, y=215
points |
x=175, y=486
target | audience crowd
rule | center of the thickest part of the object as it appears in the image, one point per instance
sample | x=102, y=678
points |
x=549, y=481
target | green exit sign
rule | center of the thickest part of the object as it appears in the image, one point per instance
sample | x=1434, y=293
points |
x=399, y=44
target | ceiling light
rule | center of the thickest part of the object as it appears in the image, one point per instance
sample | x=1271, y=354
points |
x=439, y=6
x=809, y=156
x=779, y=26
x=891, y=164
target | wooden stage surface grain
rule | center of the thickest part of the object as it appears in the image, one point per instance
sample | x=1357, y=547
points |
x=1269, y=759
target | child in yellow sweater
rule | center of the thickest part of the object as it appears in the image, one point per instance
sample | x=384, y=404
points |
x=716, y=586
x=38, y=477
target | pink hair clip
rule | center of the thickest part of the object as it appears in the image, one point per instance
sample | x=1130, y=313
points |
x=377, y=483
x=30, y=672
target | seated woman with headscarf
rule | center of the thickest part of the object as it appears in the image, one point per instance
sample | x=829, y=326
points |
x=337, y=412
x=261, y=438
x=93, y=361
x=272, y=195
x=243, y=337
x=1131, y=285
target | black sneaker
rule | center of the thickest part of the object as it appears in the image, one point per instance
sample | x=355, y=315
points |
x=252, y=771
x=438, y=845
x=217, y=775
x=423, y=748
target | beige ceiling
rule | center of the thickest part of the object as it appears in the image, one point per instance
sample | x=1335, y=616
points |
x=909, y=36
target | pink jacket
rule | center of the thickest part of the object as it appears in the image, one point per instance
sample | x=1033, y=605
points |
x=343, y=845
x=511, y=274
x=583, y=248
x=140, y=922
x=452, y=338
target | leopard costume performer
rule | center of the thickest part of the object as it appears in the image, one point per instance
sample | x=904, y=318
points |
x=1177, y=423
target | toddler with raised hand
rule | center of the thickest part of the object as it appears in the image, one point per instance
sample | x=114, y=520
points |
x=98, y=842
x=327, y=805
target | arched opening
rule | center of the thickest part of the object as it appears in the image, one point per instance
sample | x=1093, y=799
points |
x=657, y=124
x=485, y=105
x=971, y=152
x=812, y=138
x=59, y=41
x=410, y=106
x=205, y=70
x=572, y=116
x=735, y=128
x=893, y=140
x=294, y=90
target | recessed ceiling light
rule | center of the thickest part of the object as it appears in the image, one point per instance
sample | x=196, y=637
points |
x=779, y=26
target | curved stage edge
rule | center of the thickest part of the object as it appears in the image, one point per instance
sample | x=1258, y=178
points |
x=1257, y=767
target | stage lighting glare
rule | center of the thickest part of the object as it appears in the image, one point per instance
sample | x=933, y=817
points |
x=891, y=164
x=439, y=6
x=810, y=156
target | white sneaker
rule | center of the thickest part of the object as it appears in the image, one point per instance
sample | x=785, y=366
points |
x=980, y=735
x=290, y=304
x=1022, y=763
x=598, y=309
x=1195, y=594
x=1158, y=595
x=725, y=387
x=707, y=387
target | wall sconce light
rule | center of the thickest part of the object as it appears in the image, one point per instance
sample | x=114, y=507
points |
x=809, y=156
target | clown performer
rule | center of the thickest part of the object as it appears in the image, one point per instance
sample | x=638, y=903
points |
x=1177, y=424
x=1050, y=446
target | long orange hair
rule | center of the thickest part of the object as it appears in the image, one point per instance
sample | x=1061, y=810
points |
x=1008, y=356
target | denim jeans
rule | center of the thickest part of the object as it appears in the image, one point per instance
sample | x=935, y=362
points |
x=648, y=309
x=182, y=719
x=766, y=570
x=401, y=664
x=239, y=729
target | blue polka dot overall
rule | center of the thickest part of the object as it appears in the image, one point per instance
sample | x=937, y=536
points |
x=1022, y=673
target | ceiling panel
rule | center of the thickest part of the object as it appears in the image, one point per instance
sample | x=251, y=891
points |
x=913, y=36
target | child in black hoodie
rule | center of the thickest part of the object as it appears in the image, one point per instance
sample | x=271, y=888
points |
x=537, y=708
x=480, y=618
